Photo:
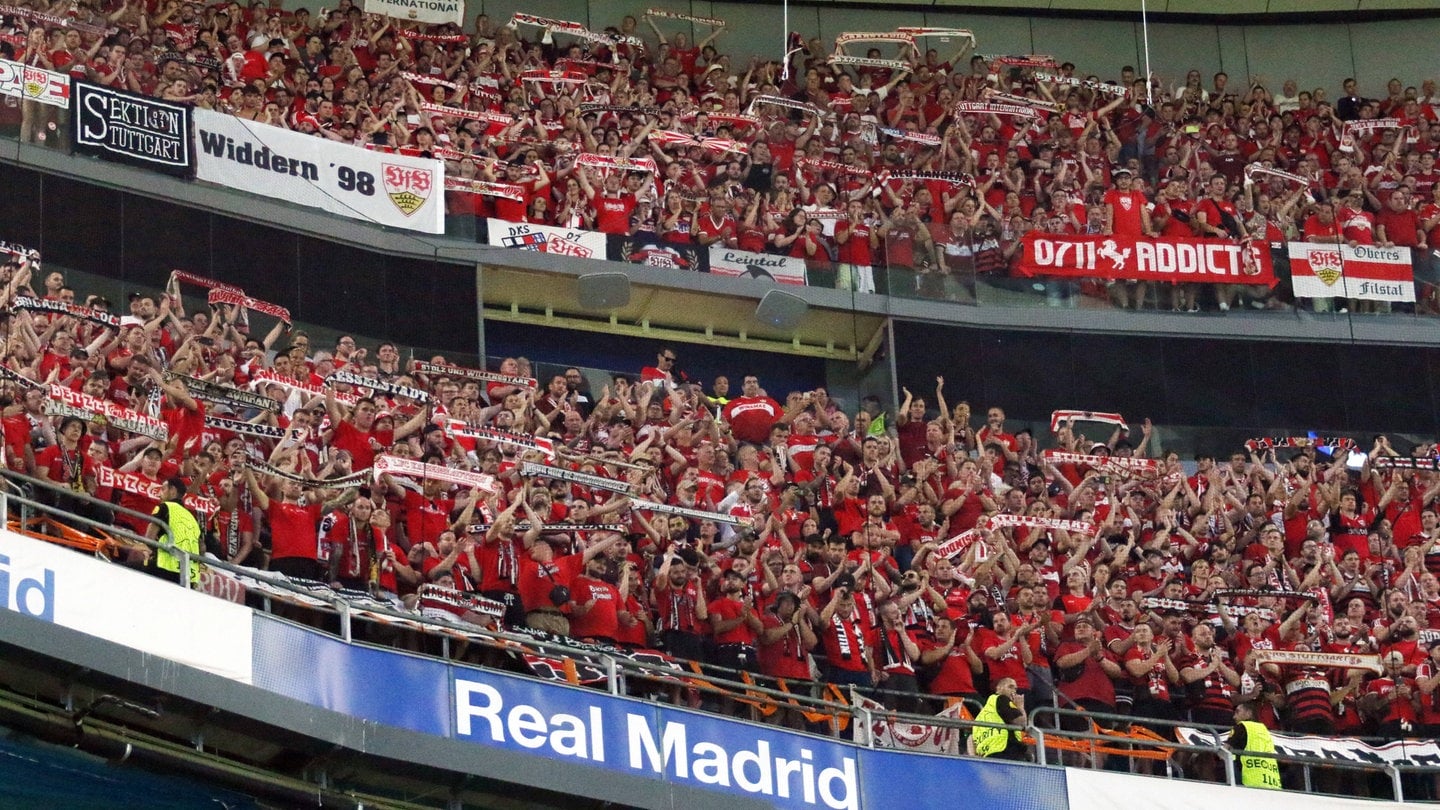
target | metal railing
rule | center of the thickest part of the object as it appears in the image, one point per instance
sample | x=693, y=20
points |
x=17, y=493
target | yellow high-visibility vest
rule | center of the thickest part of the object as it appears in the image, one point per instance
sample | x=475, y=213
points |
x=1255, y=770
x=991, y=741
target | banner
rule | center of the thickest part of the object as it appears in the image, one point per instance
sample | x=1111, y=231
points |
x=1120, y=465
x=267, y=377
x=224, y=394
x=546, y=239
x=244, y=428
x=1057, y=418
x=348, y=181
x=129, y=128
x=32, y=304
x=52, y=583
x=687, y=513
x=530, y=469
x=354, y=479
x=713, y=22
x=182, y=277
x=63, y=401
x=1429, y=463
x=958, y=544
x=652, y=251
x=137, y=484
x=1211, y=261
x=343, y=377
x=16, y=377
x=1087, y=789
x=410, y=468
x=446, y=370
x=1305, y=658
x=1365, y=272
x=996, y=108
x=764, y=266
x=1002, y=520
x=887, y=731
x=1342, y=749
x=34, y=84
x=434, y=12
x=674, y=750
x=458, y=427
x=1332, y=442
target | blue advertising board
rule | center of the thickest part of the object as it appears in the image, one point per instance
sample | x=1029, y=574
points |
x=624, y=735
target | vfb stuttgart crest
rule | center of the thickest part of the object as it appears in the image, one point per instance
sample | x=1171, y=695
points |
x=407, y=188
x=1326, y=265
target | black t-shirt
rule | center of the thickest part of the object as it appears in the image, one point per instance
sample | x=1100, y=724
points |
x=761, y=177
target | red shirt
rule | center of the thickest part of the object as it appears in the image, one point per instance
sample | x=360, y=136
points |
x=613, y=213
x=348, y=437
x=602, y=620
x=1126, y=207
x=536, y=581
x=786, y=657
x=847, y=642
x=726, y=609
x=293, y=530
x=750, y=418
x=1010, y=665
x=856, y=249
x=426, y=518
x=65, y=468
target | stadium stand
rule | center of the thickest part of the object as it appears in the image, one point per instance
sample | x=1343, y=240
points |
x=773, y=554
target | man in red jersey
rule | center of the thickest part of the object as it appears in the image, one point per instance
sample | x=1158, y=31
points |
x=751, y=415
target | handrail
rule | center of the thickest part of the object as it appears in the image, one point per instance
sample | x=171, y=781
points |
x=20, y=481
x=1127, y=718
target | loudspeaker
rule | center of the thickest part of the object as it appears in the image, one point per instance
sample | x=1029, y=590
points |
x=603, y=290
x=781, y=310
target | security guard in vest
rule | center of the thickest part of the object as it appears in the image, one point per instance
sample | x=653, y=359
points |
x=999, y=743
x=184, y=527
x=1253, y=741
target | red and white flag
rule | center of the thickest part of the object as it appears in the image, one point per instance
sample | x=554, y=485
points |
x=1340, y=271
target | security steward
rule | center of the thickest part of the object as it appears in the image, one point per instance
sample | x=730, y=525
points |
x=185, y=529
x=1253, y=741
x=999, y=743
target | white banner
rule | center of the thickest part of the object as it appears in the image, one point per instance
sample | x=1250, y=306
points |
x=386, y=189
x=888, y=731
x=101, y=599
x=34, y=84
x=547, y=239
x=1363, y=272
x=1086, y=789
x=744, y=264
x=435, y=12
x=1338, y=749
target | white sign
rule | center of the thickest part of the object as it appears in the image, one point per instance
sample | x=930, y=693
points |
x=1364, y=271
x=386, y=189
x=547, y=239
x=123, y=606
x=744, y=264
x=1101, y=790
x=35, y=84
x=435, y=12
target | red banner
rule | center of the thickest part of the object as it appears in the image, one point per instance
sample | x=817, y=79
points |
x=1210, y=261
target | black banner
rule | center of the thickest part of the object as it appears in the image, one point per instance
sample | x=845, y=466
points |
x=134, y=129
x=652, y=251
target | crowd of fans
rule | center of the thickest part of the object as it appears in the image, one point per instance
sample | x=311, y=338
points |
x=824, y=551
x=828, y=564
x=1109, y=155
